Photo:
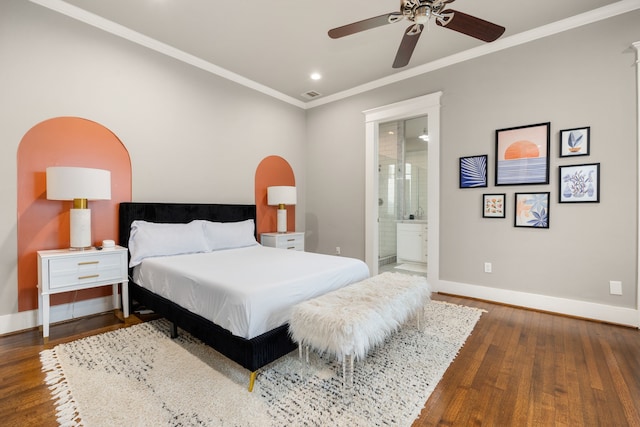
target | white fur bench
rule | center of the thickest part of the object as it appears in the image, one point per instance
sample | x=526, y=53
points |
x=351, y=320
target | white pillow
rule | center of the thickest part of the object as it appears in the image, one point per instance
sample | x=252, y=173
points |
x=149, y=239
x=229, y=235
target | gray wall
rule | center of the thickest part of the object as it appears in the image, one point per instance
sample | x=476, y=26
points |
x=191, y=136
x=583, y=77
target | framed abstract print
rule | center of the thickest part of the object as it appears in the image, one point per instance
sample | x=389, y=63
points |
x=493, y=205
x=531, y=210
x=473, y=171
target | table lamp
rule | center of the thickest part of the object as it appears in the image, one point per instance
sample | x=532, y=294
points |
x=281, y=196
x=79, y=185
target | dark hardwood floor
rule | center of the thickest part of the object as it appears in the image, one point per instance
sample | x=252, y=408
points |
x=518, y=368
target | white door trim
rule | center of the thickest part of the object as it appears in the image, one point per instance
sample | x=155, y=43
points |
x=428, y=105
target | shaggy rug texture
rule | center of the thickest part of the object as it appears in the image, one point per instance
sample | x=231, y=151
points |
x=138, y=376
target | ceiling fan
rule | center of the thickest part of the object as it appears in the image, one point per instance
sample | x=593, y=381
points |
x=419, y=12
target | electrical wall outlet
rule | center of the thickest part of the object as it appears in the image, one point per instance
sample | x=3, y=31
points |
x=615, y=287
x=487, y=267
x=337, y=250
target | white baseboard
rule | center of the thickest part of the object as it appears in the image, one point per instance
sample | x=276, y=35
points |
x=588, y=310
x=584, y=309
x=29, y=319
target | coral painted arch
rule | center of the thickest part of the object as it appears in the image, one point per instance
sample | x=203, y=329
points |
x=272, y=170
x=44, y=224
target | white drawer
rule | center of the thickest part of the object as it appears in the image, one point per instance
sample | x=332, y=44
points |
x=72, y=271
x=293, y=241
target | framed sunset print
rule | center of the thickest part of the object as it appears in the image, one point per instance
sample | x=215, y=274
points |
x=522, y=155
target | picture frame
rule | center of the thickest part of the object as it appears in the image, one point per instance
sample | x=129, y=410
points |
x=494, y=205
x=531, y=210
x=473, y=171
x=522, y=155
x=575, y=142
x=579, y=183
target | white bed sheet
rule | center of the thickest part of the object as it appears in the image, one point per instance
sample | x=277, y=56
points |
x=247, y=291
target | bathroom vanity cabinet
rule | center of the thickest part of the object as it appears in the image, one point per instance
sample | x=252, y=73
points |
x=412, y=241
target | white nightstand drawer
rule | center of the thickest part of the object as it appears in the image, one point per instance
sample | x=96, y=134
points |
x=71, y=271
x=292, y=241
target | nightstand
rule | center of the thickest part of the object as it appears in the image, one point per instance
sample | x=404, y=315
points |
x=291, y=240
x=64, y=270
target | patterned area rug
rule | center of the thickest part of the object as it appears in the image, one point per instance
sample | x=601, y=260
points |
x=138, y=376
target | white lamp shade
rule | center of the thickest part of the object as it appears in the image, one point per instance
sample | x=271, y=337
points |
x=281, y=195
x=80, y=185
x=69, y=183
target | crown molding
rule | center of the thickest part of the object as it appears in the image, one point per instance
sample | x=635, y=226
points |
x=111, y=27
x=595, y=15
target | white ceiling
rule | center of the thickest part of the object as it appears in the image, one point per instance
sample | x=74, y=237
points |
x=275, y=45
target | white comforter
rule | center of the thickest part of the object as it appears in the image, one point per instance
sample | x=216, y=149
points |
x=247, y=291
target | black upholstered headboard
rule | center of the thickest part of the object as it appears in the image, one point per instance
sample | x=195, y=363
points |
x=177, y=213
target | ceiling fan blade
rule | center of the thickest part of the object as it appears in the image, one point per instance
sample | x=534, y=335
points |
x=363, y=25
x=407, y=45
x=471, y=26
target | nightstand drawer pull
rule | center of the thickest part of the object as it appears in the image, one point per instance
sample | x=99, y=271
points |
x=92, y=276
x=88, y=262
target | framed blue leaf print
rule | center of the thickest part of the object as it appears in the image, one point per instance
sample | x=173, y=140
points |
x=574, y=142
x=473, y=171
x=532, y=210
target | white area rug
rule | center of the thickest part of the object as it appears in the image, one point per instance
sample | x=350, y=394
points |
x=138, y=376
x=410, y=266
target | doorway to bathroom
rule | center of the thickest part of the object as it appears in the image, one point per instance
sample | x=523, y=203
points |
x=424, y=105
x=402, y=194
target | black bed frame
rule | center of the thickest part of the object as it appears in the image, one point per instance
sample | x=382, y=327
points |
x=253, y=353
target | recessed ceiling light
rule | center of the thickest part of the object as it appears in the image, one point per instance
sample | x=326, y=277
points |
x=315, y=76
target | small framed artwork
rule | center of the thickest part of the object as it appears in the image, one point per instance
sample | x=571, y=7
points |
x=522, y=155
x=493, y=205
x=532, y=210
x=473, y=171
x=580, y=183
x=574, y=142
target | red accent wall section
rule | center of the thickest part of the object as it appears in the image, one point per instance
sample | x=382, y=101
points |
x=44, y=224
x=272, y=170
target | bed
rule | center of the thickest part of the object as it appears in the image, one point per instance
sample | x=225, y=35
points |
x=253, y=337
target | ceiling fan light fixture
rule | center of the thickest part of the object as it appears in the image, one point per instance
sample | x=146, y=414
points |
x=422, y=15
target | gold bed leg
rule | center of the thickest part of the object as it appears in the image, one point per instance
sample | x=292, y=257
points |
x=252, y=380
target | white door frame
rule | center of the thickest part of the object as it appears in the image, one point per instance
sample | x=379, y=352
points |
x=428, y=105
x=636, y=45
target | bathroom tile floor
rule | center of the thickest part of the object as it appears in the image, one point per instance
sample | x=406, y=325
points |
x=392, y=268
